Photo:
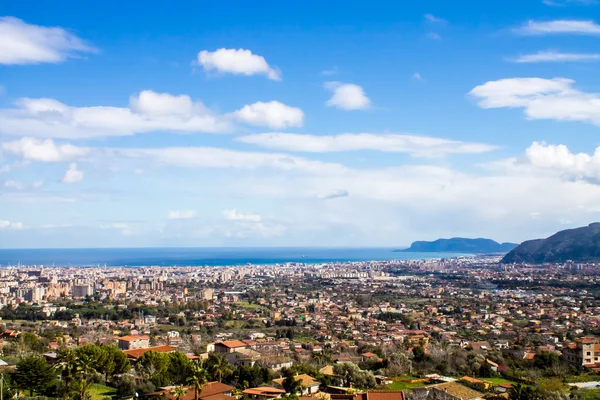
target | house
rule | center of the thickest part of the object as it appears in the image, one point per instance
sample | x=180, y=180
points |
x=475, y=383
x=229, y=346
x=242, y=356
x=309, y=384
x=372, y=395
x=210, y=391
x=447, y=391
x=585, y=351
x=264, y=392
x=134, y=354
x=133, y=342
x=479, y=347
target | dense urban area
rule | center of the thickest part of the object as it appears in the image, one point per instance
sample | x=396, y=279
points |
x=461, y=328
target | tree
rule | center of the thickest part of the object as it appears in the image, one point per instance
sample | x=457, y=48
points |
x=85, y=369
x=153, y=367
x=115, y=362
x=179, y=367
x=355, y=376
x=522, y=392
x=218, y=366
x=34, y=373
x=197, y=378
x=178, y=392
x=291, y=384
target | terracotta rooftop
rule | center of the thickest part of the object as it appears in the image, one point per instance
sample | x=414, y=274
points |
x=232, y=344
x=137, y=353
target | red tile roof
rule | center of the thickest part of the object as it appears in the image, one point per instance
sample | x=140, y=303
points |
x=137, y=353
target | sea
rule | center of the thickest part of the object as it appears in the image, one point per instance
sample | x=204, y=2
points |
x=219, y=256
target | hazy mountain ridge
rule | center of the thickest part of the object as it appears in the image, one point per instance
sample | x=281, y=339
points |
x=579, y=245
x=460, y=245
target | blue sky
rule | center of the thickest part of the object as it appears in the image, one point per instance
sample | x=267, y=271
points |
x=272, y=124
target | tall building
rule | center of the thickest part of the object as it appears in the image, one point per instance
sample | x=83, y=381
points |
x=82, y=290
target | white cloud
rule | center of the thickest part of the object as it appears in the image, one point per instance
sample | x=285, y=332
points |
x=576, y=27
x=164, y=104
x=24, y=43
x=541, y=98
x=44, y=150
x=417, y=76
x=334, y=194
x=13, y=184
x=559, y=159
x=272, y=114
x=237, y=62
x=234, y=215
x=210, y=157
x=347, y=96
x=148, y=112
x=415, y=145
x=183, y=214
x=434, y=36
x=552, y=56
x=332, y=71
x=11, y=225
x=434, y=19
x=73, y=175
x=563, y=3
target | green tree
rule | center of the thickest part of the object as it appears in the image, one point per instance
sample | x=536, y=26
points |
x=197, y=378
x=115, y=362
x=34, y=374
x=153, y=367
x=218, y=366
x=178, y=392
x=180, y=367
x=291, y=384
x=522, y=392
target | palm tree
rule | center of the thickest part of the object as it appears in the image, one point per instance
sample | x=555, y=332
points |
x=178, y=392
x=66, y=363
x=219, y=366
x=84, y=368
x=197, y=379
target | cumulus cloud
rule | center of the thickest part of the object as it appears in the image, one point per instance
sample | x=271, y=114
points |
x=560, y=159
x=234, y=215
x=237, y=62
x=347, y=96
x=553, y=56
x=334, y=194
x=563, y=26
x=147, y=112
x=24, y=43
x=415, y=145
x=272, y=114
x=540, y=98
x=183, y=214
x=73, y=175
x=44, y=150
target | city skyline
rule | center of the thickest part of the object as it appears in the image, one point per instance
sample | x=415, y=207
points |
x=284, y=125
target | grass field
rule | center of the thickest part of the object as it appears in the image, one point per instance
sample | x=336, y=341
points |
x=405, y=385
x=497, y=381
x=99, y=392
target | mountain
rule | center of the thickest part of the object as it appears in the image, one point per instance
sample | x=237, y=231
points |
x=460, y=245
x=579, y=245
